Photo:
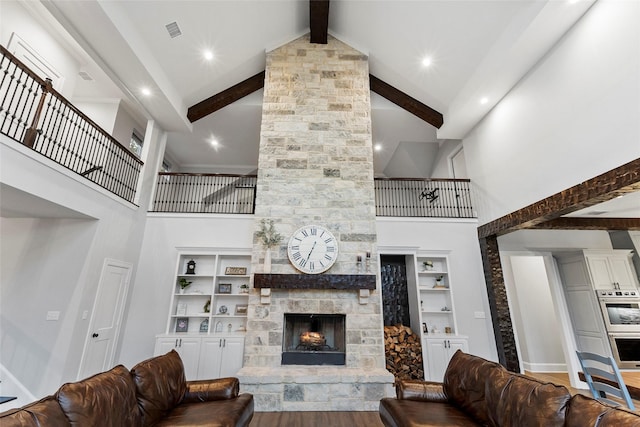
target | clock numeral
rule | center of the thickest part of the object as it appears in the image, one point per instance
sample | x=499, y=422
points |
x=302, y=262
x=295, y=248
x=298, y=239
x=314, y=231
x=297, y=256
x=320, y=261
x=326, y=256
x=329, y=240
x=304, y=233
x=312, y=265
x=331, y=248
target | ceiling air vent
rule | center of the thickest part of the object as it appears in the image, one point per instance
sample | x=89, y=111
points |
x=173, y=29
x=85, y=76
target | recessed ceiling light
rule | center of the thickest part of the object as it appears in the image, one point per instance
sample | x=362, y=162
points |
x=214, y=142
x=484, y=100
x=145, y=91
x=208, y=55
x=426, y=61
x=377, y=147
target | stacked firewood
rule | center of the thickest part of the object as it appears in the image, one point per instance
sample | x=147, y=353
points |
x=403, y=353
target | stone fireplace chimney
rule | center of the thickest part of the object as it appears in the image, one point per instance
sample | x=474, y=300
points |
x=316, y=167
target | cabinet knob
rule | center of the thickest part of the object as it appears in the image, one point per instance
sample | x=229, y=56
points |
x=94, y=335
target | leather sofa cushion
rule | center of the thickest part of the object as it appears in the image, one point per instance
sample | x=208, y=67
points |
x=105, y=399
x=44, y=412
x=218, y=413
x=465, y=383
x=517, y=400
x=160, y=384
x=415, y=413
x=584, y=411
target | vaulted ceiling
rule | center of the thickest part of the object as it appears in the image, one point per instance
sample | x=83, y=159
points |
x=478, y=48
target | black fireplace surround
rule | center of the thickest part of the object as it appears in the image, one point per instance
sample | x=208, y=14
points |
x=314, y=339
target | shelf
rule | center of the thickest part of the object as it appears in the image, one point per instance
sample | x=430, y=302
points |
x=431, y=289
x=192, y=295
x=229, y=316
x=436, y=312
x=433, y=272
x=206, y=276
x=232, y=295
x=191, y=315
x=233, y=276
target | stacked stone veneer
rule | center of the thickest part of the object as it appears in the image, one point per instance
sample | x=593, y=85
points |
x=316, y=167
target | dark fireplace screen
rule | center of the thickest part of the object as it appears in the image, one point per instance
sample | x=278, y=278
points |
x=314, y=339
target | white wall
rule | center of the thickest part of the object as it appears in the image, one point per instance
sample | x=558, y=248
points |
x=15, y=18
x=468, y=288
x=102, y=113
x=574, y=116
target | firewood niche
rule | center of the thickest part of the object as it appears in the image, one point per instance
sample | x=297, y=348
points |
x=363, y=283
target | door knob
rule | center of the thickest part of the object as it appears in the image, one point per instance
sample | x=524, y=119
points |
x=94, y=335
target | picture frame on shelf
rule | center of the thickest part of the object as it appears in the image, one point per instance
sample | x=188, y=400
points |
x=235, y=271
x=182, y=324
x=224, y=288
x=204, y=325
x=181, y=309
x=241, y=309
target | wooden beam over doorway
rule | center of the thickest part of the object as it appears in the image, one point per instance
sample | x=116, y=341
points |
x=579, y=223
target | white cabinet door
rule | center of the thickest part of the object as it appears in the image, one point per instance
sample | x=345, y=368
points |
x=210, y=358
x=622, y=273
x=439, y=353
x=232, y=355
x=187, y=348
x=436, y=358
x=601, y=276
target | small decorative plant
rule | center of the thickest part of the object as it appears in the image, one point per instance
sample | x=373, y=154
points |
x=428, y=264
x=268, y=234
x=184, y=283
x=244, y=288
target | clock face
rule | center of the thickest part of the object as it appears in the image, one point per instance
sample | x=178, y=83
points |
x=312, y=249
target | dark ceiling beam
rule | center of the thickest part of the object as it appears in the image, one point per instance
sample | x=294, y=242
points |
x=616, y=182
x=226, y=97
x=319, y=20
x=574, y=223
x=406, y=102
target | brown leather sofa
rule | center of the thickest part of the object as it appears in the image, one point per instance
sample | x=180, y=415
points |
x=153, y=393
x=476, y=392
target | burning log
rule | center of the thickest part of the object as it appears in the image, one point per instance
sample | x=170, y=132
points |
x=312, y=339
x=403, y=352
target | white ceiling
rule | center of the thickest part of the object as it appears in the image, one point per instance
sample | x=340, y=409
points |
x=479, y=48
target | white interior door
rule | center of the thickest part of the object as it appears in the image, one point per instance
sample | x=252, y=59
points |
x=106, y=318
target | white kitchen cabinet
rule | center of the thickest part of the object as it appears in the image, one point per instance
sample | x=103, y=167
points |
x=611, y=269
x=220, y=357
x=187, y=347
x=439, y=350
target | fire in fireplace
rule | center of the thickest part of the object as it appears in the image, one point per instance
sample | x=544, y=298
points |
x=314, y=339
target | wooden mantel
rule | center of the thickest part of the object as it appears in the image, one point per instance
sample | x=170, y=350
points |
x=314, y=281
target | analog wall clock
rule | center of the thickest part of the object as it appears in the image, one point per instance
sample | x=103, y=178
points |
x=312, y=249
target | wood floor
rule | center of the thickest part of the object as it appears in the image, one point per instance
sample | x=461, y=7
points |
x=316, y=419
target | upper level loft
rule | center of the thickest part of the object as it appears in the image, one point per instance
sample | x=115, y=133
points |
x=34, y=114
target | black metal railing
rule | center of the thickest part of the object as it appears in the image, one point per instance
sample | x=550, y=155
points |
x=205, y=193
x=411, y=197
x=221, y=193
x=36, y=115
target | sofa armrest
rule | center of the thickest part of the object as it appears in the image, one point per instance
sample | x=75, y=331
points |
x=420, y=390
x=208, y=390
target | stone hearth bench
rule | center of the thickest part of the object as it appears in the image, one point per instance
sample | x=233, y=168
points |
x=476, y=392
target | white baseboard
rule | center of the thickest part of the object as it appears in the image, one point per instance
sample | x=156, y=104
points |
x=544, y=367
x=10, y=386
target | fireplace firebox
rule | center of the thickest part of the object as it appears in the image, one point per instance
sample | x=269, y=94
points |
x=314, y=339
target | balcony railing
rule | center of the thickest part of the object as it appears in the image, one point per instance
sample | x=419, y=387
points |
x=434, y=198
x=211, y=193
x=205, y=193
x=36, y=115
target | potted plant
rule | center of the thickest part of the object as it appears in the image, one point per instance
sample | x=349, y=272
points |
x=244, y=288
x=269, y=238
x=439, y=282
x=428, y=265
x=184, y=283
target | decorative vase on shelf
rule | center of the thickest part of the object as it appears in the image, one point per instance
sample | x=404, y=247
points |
x=267, y=261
